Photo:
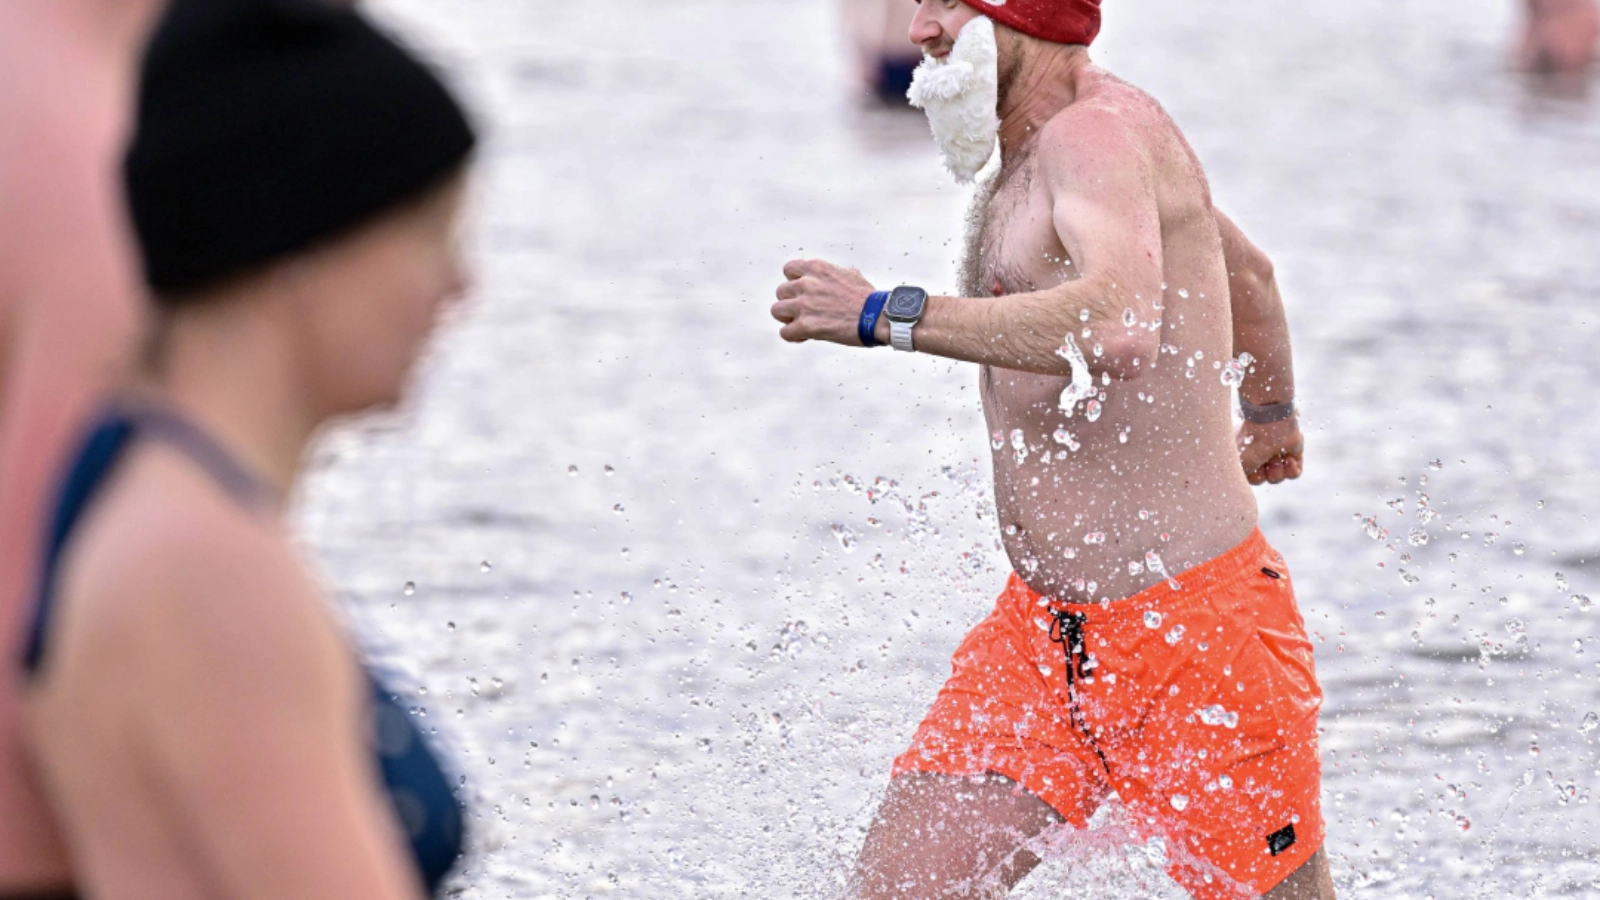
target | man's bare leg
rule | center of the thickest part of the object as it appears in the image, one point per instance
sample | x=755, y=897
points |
x=1562, y=37
x=938, y=837
x=1312, y=881
x=942, y=838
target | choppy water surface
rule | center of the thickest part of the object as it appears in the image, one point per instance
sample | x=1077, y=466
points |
x=680, y=591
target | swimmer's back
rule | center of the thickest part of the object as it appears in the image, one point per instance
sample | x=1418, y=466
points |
x=179, y=615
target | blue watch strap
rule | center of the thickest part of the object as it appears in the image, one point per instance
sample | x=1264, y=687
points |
x=867, y=330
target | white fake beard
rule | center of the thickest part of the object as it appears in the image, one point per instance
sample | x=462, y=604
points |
x=960, y=94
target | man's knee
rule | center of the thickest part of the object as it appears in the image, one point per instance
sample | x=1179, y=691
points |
x=952, y=838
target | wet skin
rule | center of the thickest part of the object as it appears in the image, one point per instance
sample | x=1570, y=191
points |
x=1158, y=471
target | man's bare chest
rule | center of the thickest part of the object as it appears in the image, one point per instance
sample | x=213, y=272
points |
x=1017, y=249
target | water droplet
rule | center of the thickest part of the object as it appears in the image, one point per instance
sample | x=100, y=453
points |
x=1589, y=724
x=1583, y=601
x=1561, y=583
x=1418, y=537
x=1226, y=782
x=1233, y=374
x=1019, y=443
x=1092, y=411
x=1083, y=315
x=409, y=589
x=572, y=470
x=1135, y=567
x=845, y=537
x=1065, y=438
x=1183, y=293
x=618, y=509
x=1217, y=716
x=1152, y=619
x=485, y=567
x=1180, y=802
x=1175, y=635
x=1128, y=318
x=1095, y=538
x=997, y=440
x=1519, y=549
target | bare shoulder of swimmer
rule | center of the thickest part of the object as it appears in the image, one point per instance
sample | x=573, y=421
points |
x=198, y=627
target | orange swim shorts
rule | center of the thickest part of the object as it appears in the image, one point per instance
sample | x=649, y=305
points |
x=1195, y=702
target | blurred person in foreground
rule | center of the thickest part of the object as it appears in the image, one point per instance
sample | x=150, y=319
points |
x=203, y=725
x=69, y=313
x=884, y=59
x=1561, y=37
x=1149, y=644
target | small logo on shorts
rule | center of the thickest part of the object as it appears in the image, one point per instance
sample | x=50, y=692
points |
x=1279, y=841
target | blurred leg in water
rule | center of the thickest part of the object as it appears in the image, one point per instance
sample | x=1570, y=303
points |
x=1561, y=37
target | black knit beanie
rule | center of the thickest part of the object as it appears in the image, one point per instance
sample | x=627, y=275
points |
x=267, y=126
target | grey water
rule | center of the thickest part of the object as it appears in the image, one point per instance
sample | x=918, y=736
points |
x=677, y=592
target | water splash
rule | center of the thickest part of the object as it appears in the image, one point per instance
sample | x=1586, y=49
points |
x=1082, y=386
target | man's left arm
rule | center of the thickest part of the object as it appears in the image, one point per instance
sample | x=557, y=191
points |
x=1272, y=452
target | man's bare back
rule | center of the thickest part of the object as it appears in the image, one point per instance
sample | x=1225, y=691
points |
x=1147, y=472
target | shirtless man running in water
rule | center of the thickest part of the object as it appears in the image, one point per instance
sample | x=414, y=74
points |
x=1149, y=644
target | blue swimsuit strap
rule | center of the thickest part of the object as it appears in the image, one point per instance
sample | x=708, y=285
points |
x=247, y=488
x=96, y=461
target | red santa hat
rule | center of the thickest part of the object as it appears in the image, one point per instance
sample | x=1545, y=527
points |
x=1057, y=21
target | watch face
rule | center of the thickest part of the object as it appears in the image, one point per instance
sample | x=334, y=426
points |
x=906, y=304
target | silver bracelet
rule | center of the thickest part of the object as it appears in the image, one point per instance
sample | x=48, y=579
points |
x=1266, y=415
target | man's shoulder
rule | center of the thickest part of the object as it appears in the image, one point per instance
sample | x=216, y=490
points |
x=1113, y=127
x=1110, y=112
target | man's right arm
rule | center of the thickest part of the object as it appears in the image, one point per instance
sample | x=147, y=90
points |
x=1105, y=215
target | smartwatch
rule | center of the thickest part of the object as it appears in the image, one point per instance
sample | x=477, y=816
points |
x=904, y=310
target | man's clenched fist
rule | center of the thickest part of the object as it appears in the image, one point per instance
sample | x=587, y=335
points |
x=821, y=302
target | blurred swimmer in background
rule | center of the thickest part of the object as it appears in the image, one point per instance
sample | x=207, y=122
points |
x=878, y=32
x=1561, y=37
x=69, y=313
x=202, y=723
